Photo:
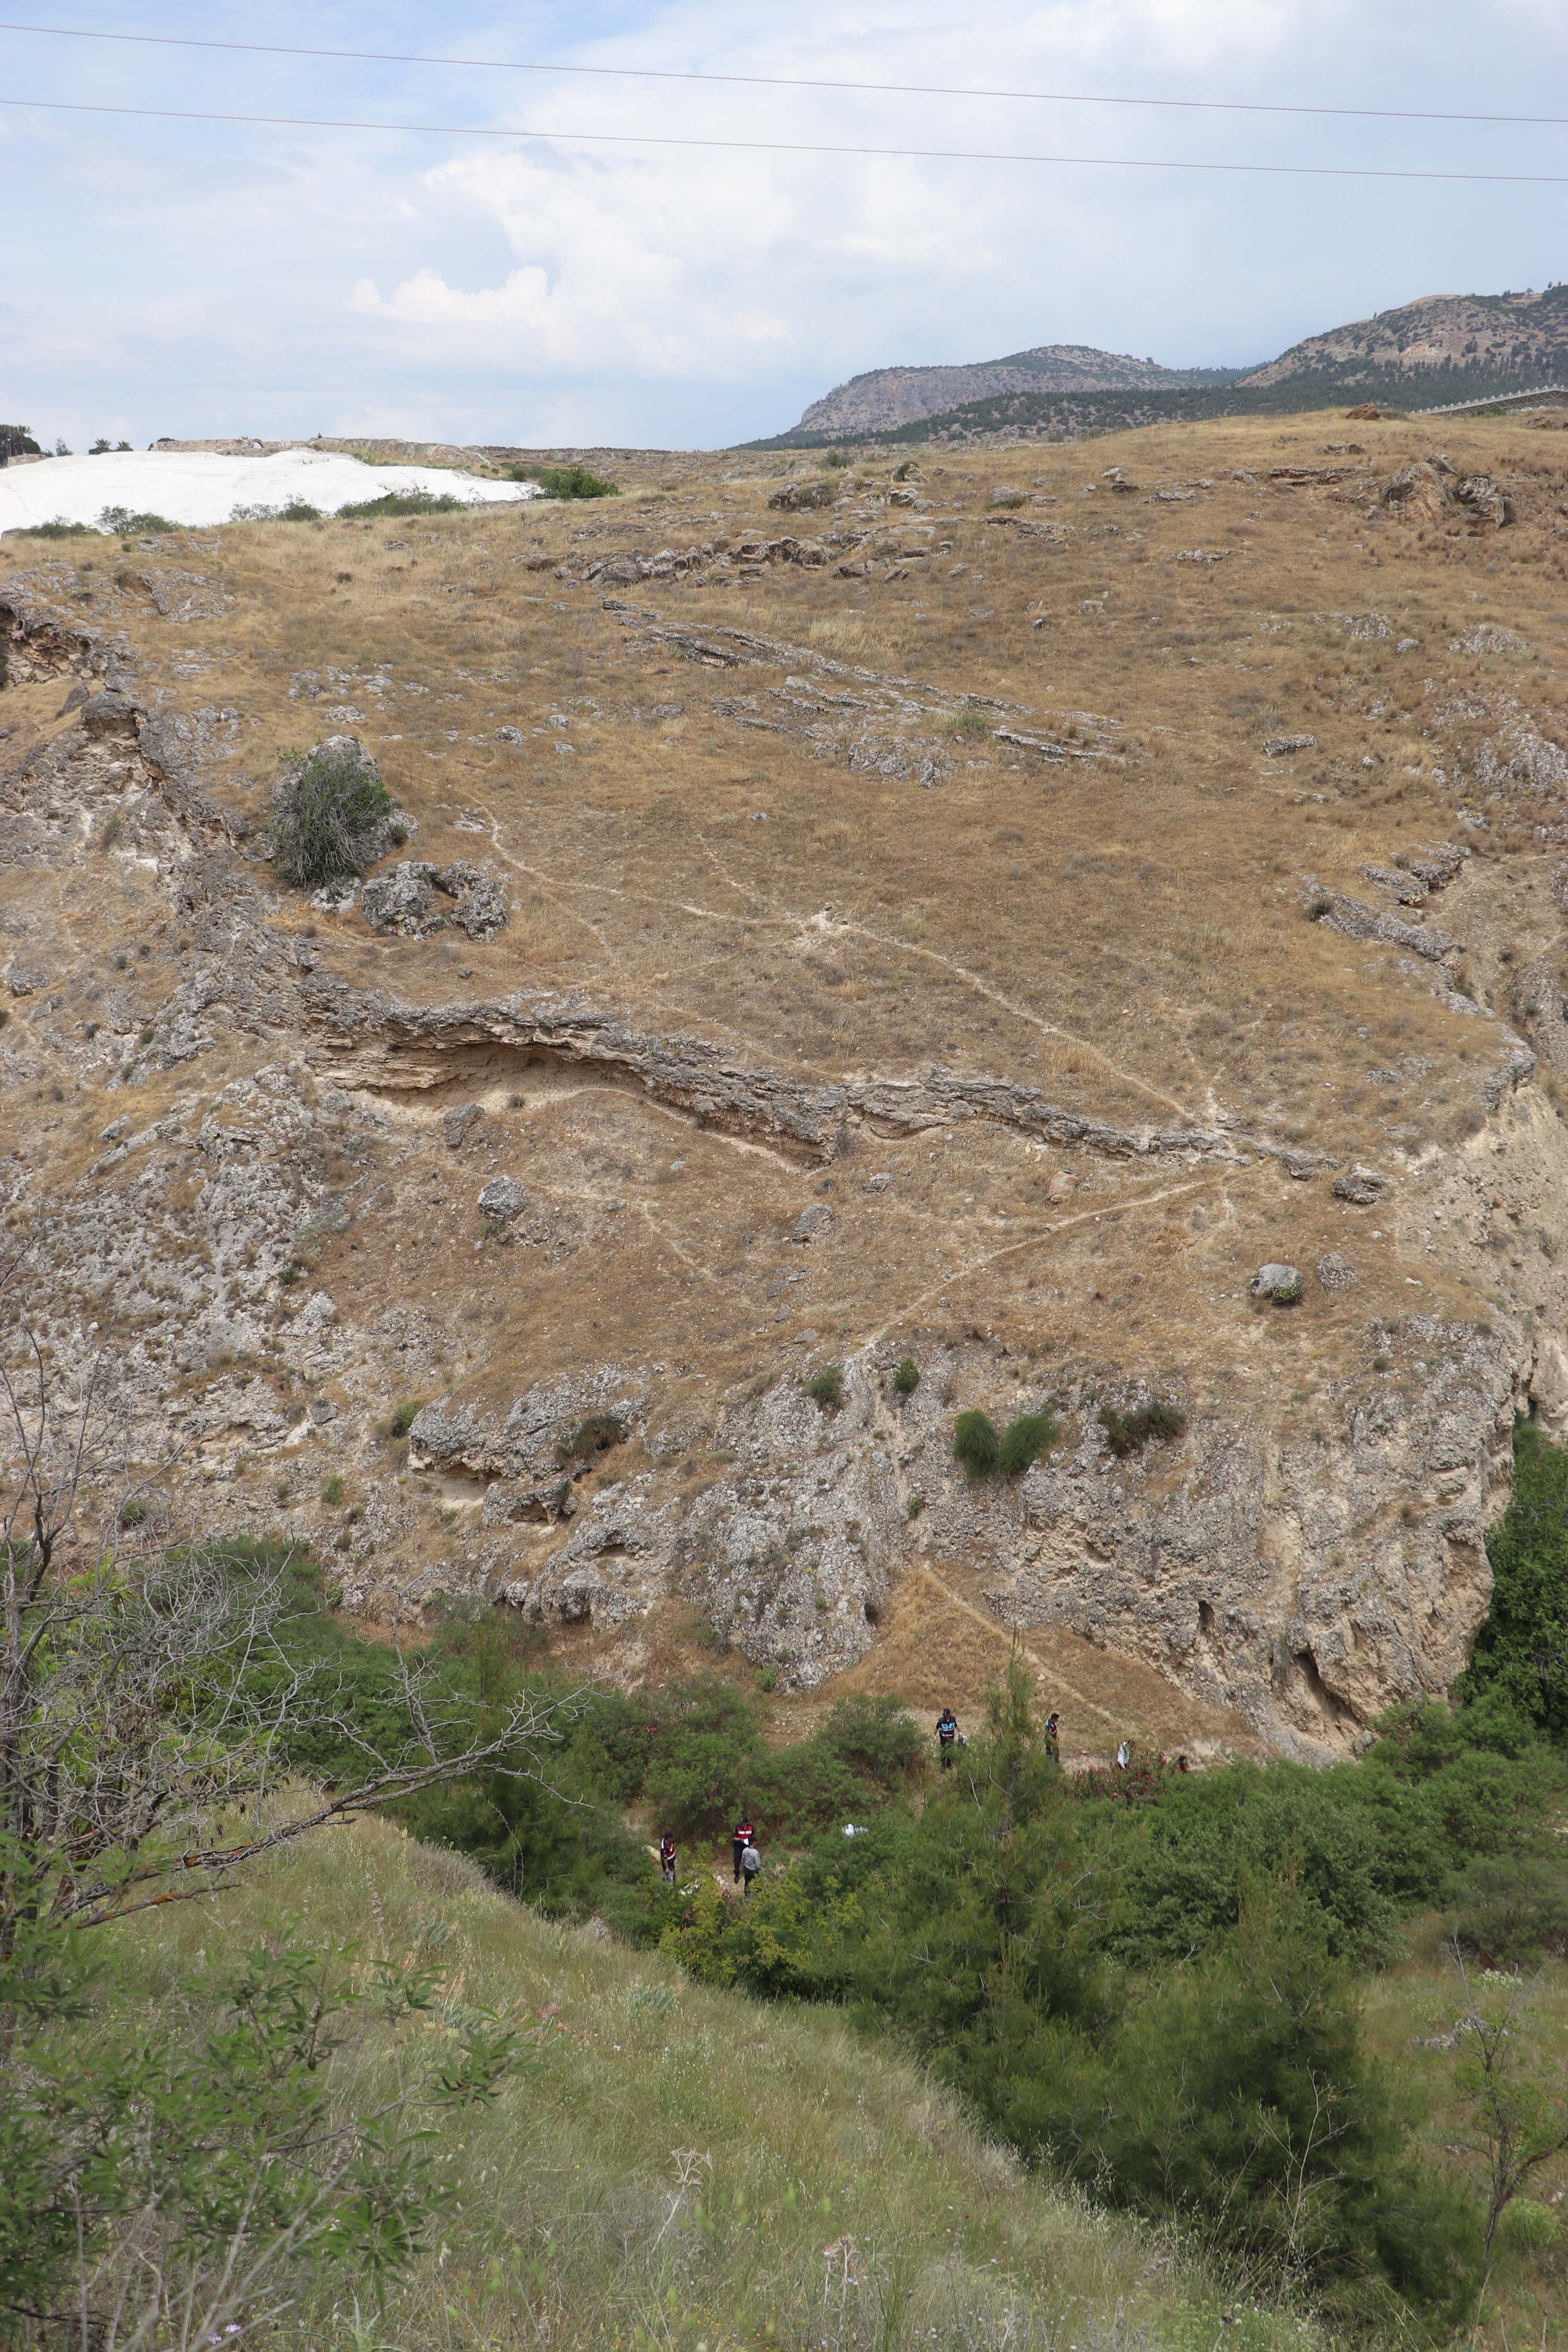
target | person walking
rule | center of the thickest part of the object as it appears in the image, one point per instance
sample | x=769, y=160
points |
x=667, y=1858
x=947, y=1734
x=751, y=1862
x=1054, y=1734
x=743, y=1835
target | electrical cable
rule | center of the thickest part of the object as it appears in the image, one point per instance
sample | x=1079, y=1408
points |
x=786, y=81
x=786, y=146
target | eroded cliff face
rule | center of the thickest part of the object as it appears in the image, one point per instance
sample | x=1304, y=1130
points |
x=495, y=1260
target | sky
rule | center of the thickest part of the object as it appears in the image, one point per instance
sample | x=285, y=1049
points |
x=194, y=278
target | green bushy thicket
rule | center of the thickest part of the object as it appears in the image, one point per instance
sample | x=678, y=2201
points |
x=1160, y=1999
x=1521, y=1650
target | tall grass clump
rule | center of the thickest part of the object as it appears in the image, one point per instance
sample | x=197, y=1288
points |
x=976, y=1442
x=1024, y=1440
x=330, y=813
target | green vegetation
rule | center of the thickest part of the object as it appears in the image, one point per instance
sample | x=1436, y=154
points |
x=969, y=723
x=596, y=1434
x=330, y=813
x=835, y=461
x=983, y=1449
x=907, y=1378
x=1129, y=1432
x=393, y=504
x=674, y=2161
x=975, y=1443
x=565, y=481
x=404, y=1415
x=1521, y=1651
x=127, y=524
x=297, y=510
x=825, y=1388
x=1024, y=1440
x=1152, y=1982
x=56, y=530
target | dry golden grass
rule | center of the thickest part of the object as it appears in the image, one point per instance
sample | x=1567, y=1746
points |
x=1126, y=931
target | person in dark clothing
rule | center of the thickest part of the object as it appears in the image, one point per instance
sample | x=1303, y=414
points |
x=1054, y=1734
x=947, y=1734
x=667, y=1858
x=743, y=1835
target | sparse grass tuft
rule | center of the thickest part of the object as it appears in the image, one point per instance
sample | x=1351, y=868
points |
x=404, y=1416
x=1130, y=1432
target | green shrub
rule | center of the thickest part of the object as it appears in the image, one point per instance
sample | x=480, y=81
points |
x=1513, y=1910
x=297, y=510
x=58, y=529
x=594, y=1435
x=975, y=1443
x=1521, y=1650
x=393, y=503
x=906, y=1380
x=332, y=1489
x=134, y=1510
x=1024, y=1440
x=914, y=1506
x=405, y=1415
x=969, y=723
x=329, y=814
x=565, y=481
x=835, y=461
x=826, y=1387
x=126, y=524
x=1130, y=1432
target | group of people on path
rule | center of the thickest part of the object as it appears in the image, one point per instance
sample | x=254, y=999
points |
x=748, y=1859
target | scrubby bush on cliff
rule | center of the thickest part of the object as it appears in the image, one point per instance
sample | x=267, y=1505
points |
x=976, y=1442
x=1521, y=1650
x=330, y=813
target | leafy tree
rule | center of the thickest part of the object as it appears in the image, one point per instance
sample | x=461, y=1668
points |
x=1514, y=2094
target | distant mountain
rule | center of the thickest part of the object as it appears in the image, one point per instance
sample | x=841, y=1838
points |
x=1490, y=343
x=1445, y=347
x=885, y=398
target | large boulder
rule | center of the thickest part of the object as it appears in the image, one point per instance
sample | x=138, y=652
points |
x=1417, y=493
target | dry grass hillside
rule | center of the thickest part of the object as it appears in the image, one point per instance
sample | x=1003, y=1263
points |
x=1065, y=891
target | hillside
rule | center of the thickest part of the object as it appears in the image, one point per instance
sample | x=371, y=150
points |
x=836, y=2195
x=892, y=924
x=886, y=397
x=1441, y=349
x=1487, y=342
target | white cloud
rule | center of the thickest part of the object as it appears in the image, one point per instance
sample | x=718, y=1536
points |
x=213, y=280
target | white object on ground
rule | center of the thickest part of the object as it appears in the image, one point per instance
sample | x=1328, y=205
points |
x=199, y=487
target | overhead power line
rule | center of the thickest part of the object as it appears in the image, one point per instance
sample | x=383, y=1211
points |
x=784, y=146
x=786, y=81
